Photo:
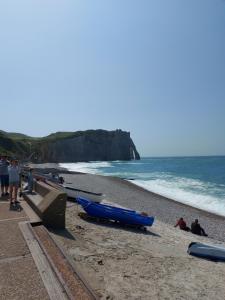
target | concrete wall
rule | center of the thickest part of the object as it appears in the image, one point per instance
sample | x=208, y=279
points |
x=49, y=204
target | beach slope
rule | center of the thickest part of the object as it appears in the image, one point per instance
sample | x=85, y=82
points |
x=123, y=263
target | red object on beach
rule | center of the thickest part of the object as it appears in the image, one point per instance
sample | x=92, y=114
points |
x=181, y=223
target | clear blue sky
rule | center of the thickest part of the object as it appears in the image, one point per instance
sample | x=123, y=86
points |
x=155, y=68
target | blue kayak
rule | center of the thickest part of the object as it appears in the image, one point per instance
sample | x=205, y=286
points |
x=125, y=216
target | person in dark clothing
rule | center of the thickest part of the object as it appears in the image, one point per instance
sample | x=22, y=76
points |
x=4, y=175
x=197, y=229
x=182, y=224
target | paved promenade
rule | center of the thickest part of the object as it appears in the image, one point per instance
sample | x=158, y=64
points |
x=19, y=277
x=32, y=265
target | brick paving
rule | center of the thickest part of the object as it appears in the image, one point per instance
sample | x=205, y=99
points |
x=19, y=277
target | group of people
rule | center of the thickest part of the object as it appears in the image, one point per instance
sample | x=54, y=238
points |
x=9, y=178
x=195, y=227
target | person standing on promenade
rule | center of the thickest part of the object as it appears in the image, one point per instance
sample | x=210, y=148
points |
x=14, y=180
x=182, y=224
x=4, y=176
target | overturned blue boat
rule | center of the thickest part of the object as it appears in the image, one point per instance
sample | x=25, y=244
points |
x=124, y=216
x=213, y=252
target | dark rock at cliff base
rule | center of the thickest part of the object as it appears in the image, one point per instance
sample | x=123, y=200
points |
x=90, y=145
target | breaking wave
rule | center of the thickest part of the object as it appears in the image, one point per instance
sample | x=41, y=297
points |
x=197, y=181
x=191, y=192
x=86, y=167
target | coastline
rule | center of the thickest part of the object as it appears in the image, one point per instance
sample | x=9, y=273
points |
x=182, y=203
x=123, y=263
x=129, y=195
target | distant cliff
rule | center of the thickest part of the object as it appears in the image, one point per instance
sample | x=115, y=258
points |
x=90, y=145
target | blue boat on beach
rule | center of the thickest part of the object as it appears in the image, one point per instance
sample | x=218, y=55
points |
x=124, y=216
x=213, y=252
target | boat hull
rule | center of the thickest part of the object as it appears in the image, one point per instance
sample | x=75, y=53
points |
x=76, y=193
x=207, y=251
x=121, y=215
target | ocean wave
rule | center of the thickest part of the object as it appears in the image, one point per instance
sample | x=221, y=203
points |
x=201, y=188
x=86, y=167
x=182, y=191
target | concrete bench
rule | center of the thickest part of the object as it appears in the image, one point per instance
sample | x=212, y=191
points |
x=49, y=204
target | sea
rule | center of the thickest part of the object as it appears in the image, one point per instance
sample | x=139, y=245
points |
x=196, y=181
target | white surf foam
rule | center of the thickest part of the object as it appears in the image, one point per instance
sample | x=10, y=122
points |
x=180, y=190
x=86, y=167
x=189, y=191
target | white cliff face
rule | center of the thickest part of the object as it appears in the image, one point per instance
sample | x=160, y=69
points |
x=97, y=145
x=90, y=145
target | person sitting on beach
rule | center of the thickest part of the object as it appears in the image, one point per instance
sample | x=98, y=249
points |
x=182, y=224
x=197, y=229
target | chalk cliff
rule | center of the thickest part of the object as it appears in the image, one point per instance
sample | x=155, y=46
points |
x=90, y=145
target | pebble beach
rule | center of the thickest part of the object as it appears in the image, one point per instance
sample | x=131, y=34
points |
x=127, y=194
x=123, y=263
